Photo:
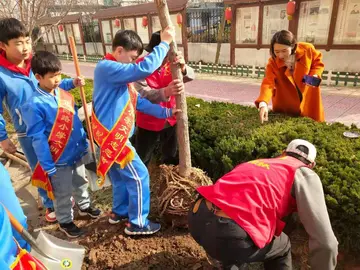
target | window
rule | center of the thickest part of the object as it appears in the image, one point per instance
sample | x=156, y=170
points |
x=129, y=24
x=115, y=28
x=69, y=31
x=77, y=35
x=178, y=34
x=156, y=26
x=247, y=21
x=142, y=31
x=314, y=21
x=347, y=29
x=56, y=34
x=62, y=36
x=106, y=31
x=275, y=19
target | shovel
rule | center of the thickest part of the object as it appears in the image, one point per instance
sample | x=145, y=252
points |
x=54, y=253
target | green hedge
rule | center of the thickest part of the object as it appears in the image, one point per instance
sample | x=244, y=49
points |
x=223, y=135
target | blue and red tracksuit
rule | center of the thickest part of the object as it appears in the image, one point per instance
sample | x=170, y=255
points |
x=16, y=86
x=131, y=193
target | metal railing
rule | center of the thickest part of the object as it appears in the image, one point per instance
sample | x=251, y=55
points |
x=330, y=78
x=203, y=25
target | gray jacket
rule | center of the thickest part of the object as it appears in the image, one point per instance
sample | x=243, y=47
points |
x=313, y=214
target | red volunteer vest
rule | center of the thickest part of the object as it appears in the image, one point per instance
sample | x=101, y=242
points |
x=257, y=196
x=159, y=79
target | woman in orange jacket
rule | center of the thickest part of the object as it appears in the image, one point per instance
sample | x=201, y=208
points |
x=292, y=79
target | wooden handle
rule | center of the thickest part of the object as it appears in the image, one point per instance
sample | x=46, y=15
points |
x=182, y=117
x=82, y=94
x=18, y=160
x=14, y=222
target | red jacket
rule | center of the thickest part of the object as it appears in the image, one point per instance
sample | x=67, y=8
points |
x=159, y=79
x=257, y=196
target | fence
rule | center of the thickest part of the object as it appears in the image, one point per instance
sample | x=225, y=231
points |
x=203, y=25
x=330, y=78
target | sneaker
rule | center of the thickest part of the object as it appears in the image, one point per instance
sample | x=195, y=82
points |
x=90, y=211
x=151, y=228
x=50, y=215
x=115, y=218
x=71, y=230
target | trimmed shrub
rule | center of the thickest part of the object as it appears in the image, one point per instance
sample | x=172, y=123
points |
x=222, y=135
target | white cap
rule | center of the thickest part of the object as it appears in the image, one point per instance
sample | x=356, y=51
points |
x=307, y=151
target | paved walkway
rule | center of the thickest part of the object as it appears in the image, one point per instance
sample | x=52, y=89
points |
x=342, y=104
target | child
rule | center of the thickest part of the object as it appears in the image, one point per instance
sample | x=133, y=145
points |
x=51, y=116
x=17, y=83
x=159, y=88
x=115, y=102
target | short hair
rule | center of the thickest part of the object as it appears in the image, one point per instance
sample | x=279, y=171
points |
x=44, y=62
x=283, y=37
x=11, y=28
x=129, y=40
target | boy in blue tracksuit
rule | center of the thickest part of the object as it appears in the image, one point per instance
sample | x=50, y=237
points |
x=59, y=141
x=115, y=102
x=17, y=83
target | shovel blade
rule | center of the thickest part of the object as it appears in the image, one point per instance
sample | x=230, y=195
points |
x=68, y=255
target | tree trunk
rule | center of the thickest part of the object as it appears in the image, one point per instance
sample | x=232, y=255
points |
x=220, y=37
x=182, y=118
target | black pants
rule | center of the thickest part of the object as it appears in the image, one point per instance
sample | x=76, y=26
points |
x=145, y=143
x=228, y=243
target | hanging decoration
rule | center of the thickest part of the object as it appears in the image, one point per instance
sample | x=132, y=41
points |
x=145, y=21
x=290, y=9
x=61, y=28
x=117, y=23
x=228, y=15
x=179, y=19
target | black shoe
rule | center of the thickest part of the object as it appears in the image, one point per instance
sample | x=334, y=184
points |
x=91, y=166
x=90, y=211
x=71, y=230
x=115, y=218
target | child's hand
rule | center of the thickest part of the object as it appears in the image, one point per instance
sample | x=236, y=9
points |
x=175, y=111
x=168, y=35
x=180, y=60
x=79, y=81
x=8, y=146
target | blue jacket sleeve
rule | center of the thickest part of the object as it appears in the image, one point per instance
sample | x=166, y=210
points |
x=145, y=106
x=67, y=84
x=11, y=202
x=35, y=128
x=3, y=133
x=119, y=73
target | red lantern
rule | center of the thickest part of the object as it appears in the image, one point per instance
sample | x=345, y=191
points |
x=117, y=23
x=228, y=15
x=145, y=21
x=179, y=19
x=61, y=27
x=290, y=9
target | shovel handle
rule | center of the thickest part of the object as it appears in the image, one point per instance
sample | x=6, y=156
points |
x=14, y=222
x=20, y=228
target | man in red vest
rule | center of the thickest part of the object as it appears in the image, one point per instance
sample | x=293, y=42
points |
x=239, y=219
x=159, y=88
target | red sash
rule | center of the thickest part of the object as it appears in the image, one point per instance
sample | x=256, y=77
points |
x=25, y=261
x=112, y=143
x=58, y=140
